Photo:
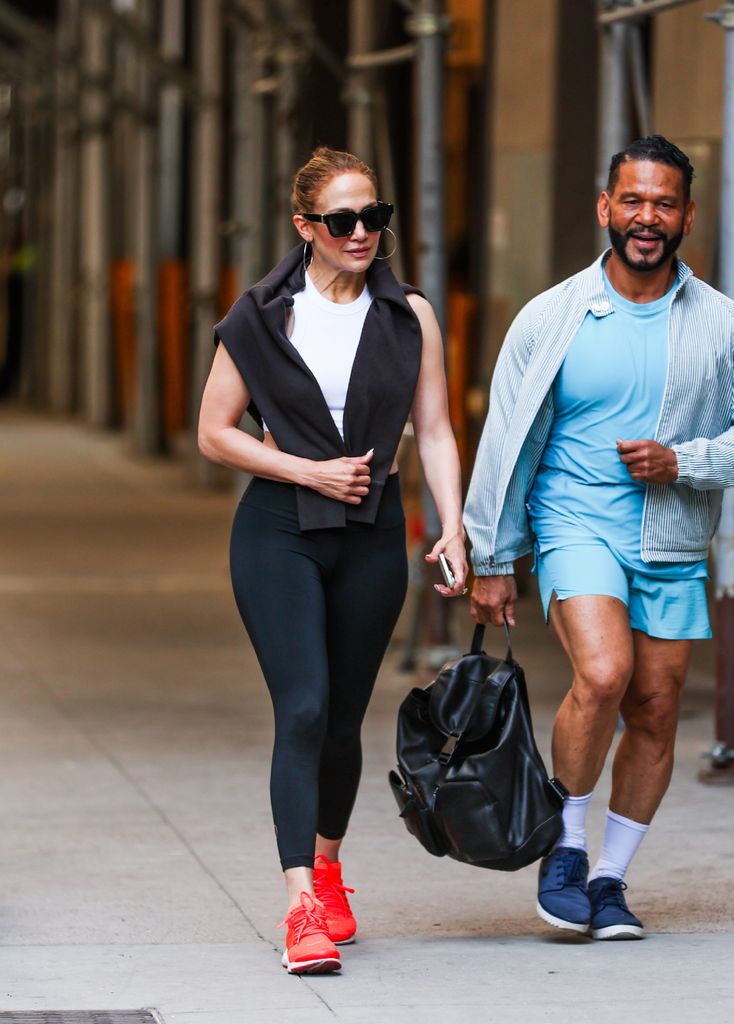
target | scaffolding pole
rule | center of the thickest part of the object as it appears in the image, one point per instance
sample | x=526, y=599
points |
x=64, y=249
x=614, y=98
x=205, y=200
x=170, y=136
x=289, y=56
x=147, y=418
x=721, y=757
x=94, y=320
x=359, y=93
x=428, y=26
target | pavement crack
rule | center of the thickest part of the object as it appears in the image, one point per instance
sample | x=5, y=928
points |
x=320, y=998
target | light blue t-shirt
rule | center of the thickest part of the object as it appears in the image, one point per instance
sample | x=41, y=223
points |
x=610, y=386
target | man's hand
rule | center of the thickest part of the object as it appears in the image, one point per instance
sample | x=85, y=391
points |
x=648, y=461
x=491, y=596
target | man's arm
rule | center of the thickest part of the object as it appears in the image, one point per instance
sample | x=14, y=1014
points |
x=492, y=598
x=706, y=464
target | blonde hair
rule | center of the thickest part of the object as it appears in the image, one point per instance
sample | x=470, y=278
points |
x=323, y=165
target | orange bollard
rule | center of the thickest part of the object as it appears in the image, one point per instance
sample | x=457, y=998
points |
x=173, y=333
x=122, y=308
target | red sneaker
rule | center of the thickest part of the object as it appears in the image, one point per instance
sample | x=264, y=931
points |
x=308, y=948
x=331, y=892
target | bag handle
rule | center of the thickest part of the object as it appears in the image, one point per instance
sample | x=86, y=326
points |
x=476, y=648
x=478, y=639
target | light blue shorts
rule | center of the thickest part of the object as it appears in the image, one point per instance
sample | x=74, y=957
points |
x=661, y=607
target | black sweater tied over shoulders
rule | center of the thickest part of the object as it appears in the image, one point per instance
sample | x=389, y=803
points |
x=287, y=396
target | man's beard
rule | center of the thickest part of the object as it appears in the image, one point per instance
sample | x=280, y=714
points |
x=619, y=241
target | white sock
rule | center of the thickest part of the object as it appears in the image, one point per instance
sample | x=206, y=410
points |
x=622, y=836
x=574, y=821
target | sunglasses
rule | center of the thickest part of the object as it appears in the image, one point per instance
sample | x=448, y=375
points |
x=339, y=225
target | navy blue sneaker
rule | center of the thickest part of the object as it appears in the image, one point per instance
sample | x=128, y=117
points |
x=562, y=899
x=611, y=918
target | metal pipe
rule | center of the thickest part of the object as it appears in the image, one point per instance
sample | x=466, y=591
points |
x=289, y=58
x=642, y=10
x=382, y=58
x=640, y=83
x=170, y=134
x=64, y=248
x=429, y=26
x=205, y=196
x=147, y=412
x=138, y=34
x=359, y=94
x=721, y=767
x=613, y=120
x=94, y=206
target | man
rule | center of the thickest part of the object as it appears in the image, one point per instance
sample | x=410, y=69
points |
x=606, y=448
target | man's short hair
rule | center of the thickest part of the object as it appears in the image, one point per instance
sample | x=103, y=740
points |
x=657, y=149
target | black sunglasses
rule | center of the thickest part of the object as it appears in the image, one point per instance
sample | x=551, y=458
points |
x=343, y=223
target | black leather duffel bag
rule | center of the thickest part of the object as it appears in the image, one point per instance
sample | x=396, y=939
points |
x=471, y=783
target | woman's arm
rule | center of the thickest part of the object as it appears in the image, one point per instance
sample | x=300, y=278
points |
x=437, y=447
x=223, y=404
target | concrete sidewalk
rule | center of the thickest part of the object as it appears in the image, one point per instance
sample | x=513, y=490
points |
x=138, y=862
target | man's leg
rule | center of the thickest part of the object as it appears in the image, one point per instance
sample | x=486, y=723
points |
x=641, y=773
x=595, y=634
x=643, y=763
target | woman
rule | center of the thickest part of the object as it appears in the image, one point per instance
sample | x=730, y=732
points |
x=331, y=354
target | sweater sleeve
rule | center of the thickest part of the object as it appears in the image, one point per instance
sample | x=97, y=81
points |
x=480, y=513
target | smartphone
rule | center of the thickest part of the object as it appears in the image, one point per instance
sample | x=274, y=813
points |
x=448, y=576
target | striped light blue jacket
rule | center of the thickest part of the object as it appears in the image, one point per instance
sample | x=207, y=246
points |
x=696, y=417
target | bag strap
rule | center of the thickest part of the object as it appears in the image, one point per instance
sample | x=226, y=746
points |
x=476, y=648
x=478, y=639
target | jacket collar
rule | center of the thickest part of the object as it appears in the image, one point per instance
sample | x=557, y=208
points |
x=595, y=295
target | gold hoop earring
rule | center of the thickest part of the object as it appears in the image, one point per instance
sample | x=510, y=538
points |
x=394, y=248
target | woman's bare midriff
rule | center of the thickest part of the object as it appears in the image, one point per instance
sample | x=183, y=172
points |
x=270, y=443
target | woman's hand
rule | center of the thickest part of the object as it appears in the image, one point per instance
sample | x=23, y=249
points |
x=452, y=547
x=346, y=479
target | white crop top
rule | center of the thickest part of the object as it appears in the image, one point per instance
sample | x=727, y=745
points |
x=326, y=335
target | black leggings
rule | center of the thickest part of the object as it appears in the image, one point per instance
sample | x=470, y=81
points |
x=320, y=607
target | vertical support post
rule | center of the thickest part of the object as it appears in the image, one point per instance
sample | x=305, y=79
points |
x=241, y=206
x=428, y=26
x=289, y=58
x=614, y=100
x=359, y=95
x=94, y=320
x=483, y=357
x=170, y=136
x=30, y=220
x=171, y=273
x=205, y=197
x=147, y=419
x=721, y=766
x=64, y=250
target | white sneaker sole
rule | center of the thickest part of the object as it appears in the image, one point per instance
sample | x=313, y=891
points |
x=618, y=931
x=558, y=922
x=325, y=965
x=345, y=942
